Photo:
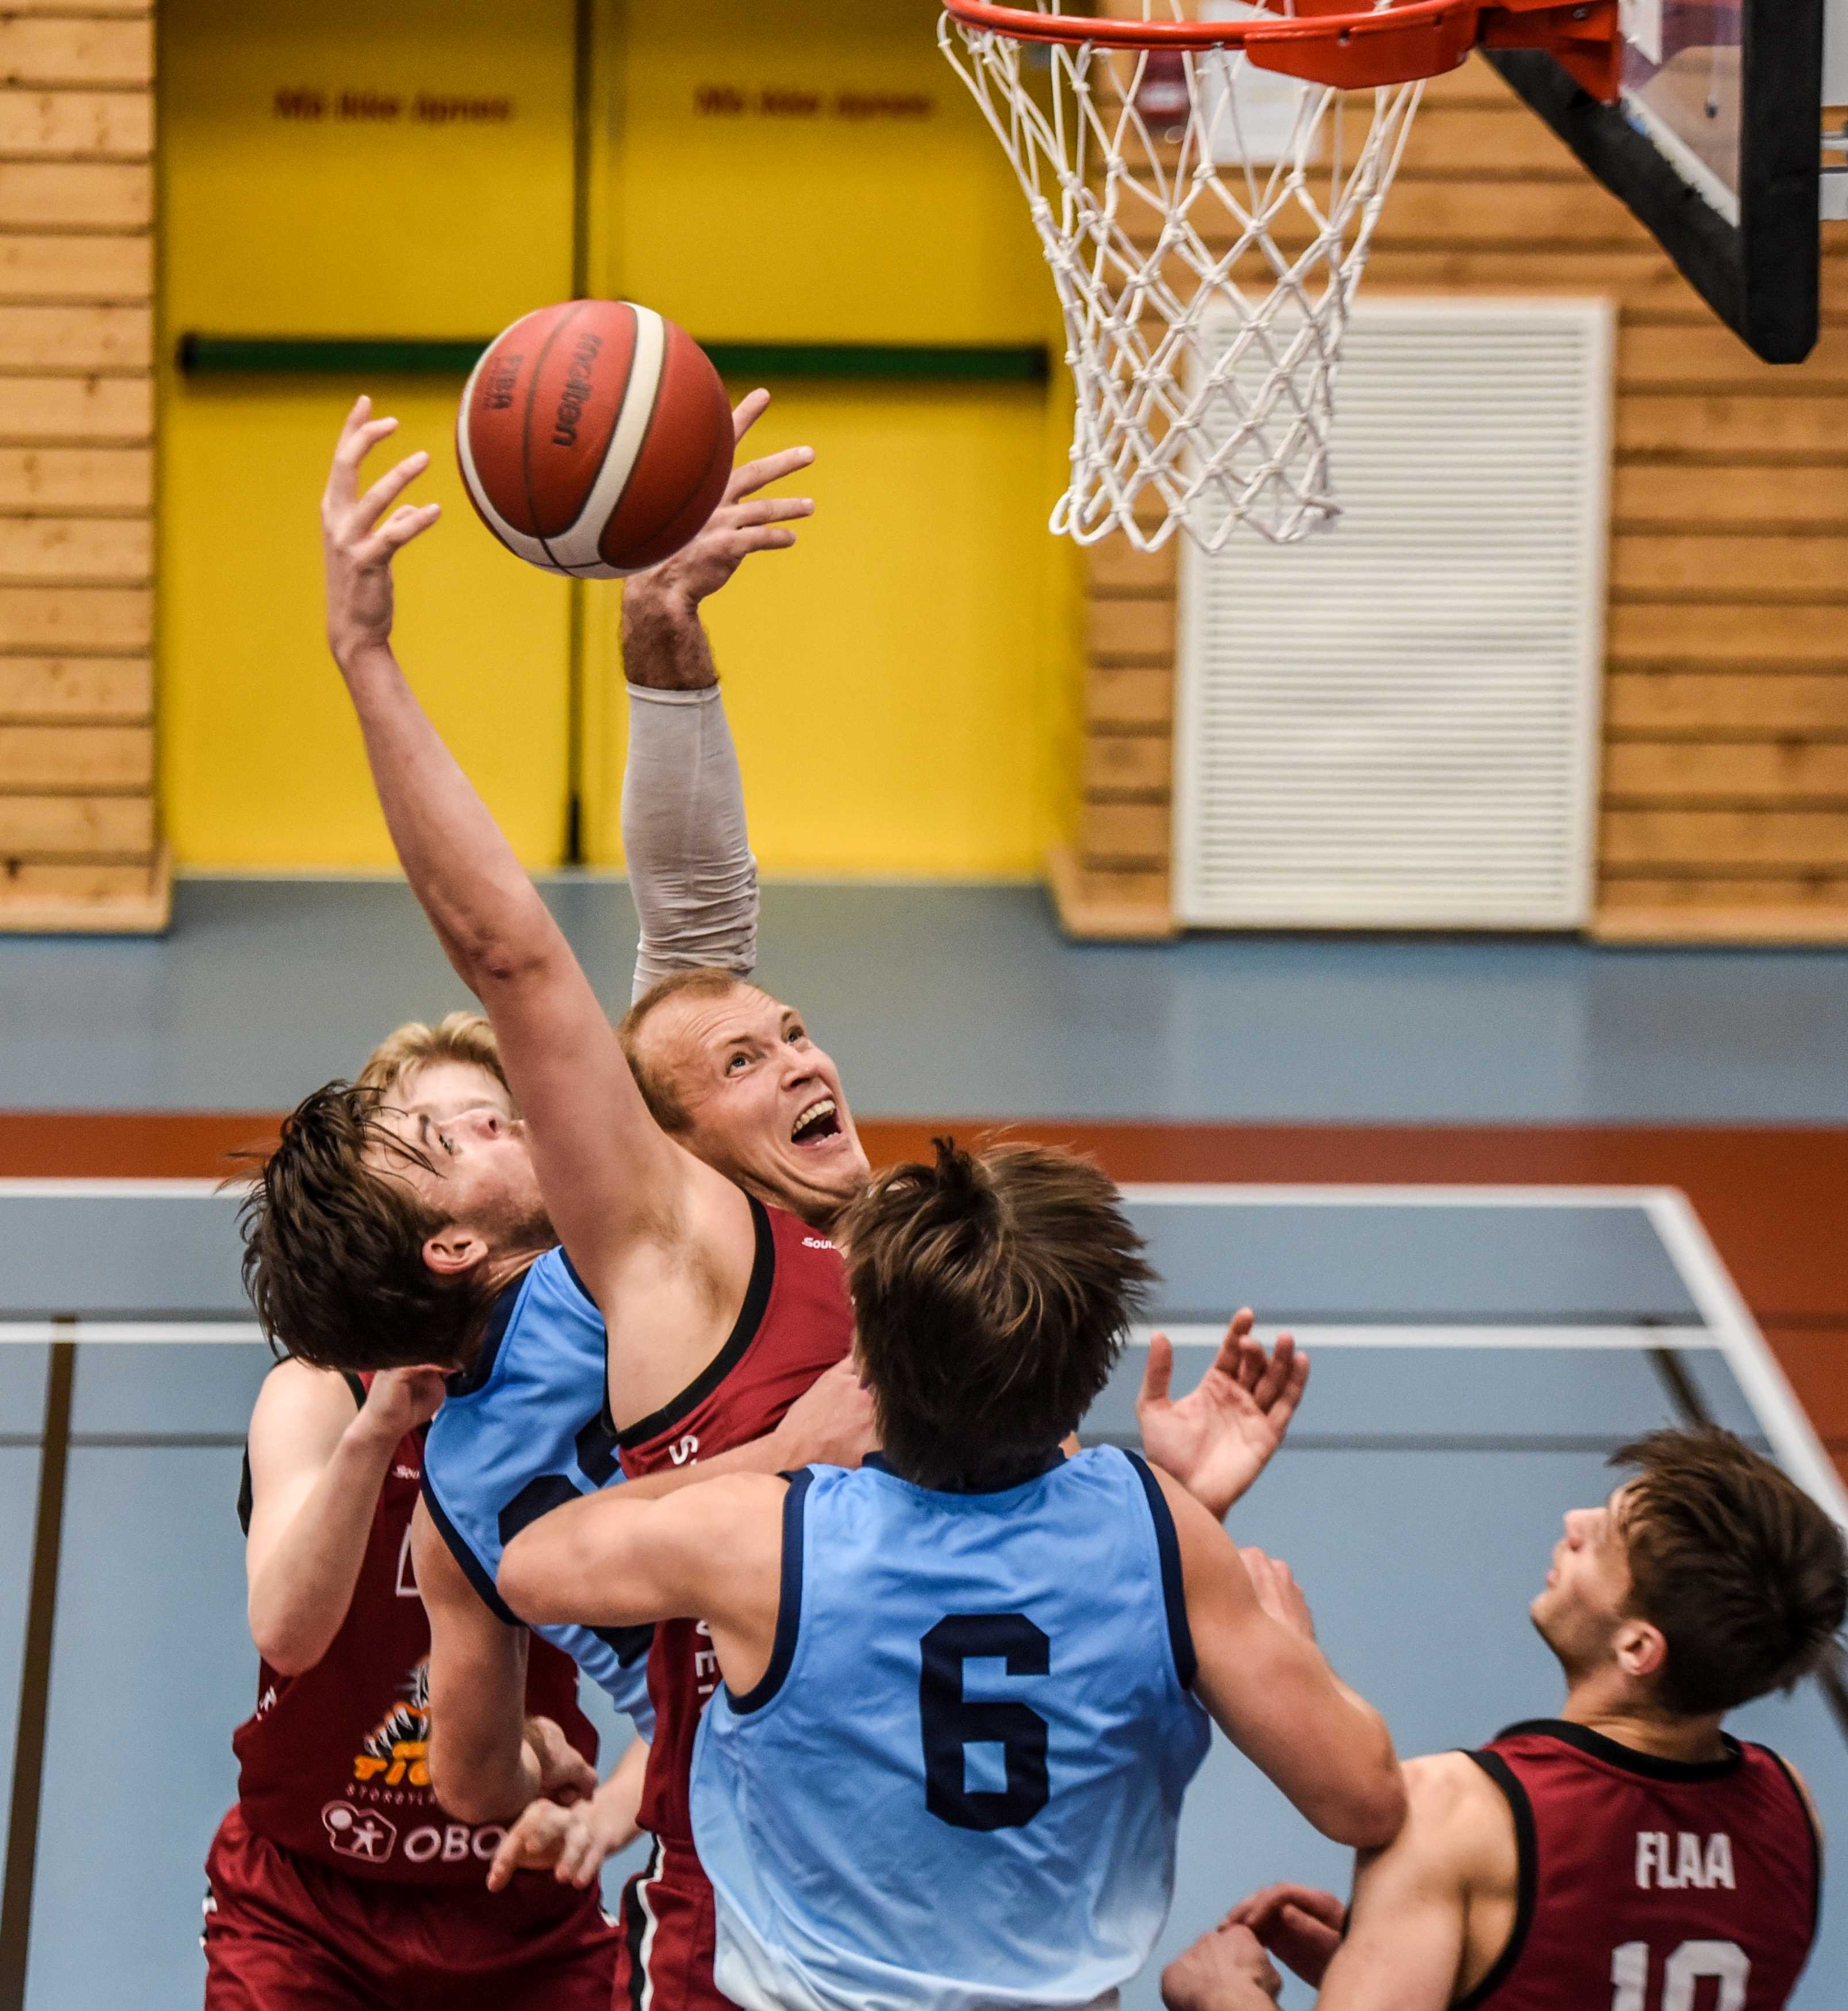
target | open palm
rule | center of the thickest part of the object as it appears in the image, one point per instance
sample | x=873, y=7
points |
x=1218, y=1439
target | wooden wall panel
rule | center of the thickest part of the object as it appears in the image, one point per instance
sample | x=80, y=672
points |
x=80, y=843
x=1725, y=785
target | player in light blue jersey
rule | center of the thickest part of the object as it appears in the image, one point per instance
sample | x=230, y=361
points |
x=964, y=1688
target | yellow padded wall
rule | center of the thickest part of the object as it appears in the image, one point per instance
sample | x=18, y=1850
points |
x=815, y=172
x=278, y=222
x=887, y=678
x=894, y=680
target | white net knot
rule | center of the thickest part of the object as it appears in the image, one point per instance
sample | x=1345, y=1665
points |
x=1206, y=222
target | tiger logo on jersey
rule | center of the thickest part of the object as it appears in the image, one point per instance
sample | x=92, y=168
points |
x=396, y=1752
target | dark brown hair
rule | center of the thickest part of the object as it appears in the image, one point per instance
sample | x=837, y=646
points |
x=659, y=1091
x=993, y=1291
x=1745, y=1576
x=333, y=1250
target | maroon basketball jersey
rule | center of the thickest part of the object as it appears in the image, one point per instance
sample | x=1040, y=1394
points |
x=1650, y=1884
x=795, y=1324
x=333, y=1764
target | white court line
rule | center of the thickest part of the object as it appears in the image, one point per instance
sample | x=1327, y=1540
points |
x=101, y=1190
x=1731, y=1327
x=1207, y=1193
x=1632, y=1337
x=90, y=1332
x=1754, y=1368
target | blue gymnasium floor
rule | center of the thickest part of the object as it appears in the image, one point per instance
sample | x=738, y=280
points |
x=1478, y=1352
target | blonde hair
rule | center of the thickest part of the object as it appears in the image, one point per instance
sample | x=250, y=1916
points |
x=658, y=1089
x=456, y=1037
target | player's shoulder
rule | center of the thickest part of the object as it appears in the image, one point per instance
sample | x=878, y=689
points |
x=1457, y=1813
x=295, y=1395
x=1801, y=1787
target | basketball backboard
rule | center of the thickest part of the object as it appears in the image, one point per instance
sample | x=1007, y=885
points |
x=1721, y=146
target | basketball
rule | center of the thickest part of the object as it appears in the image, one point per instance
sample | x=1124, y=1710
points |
x=595, y=438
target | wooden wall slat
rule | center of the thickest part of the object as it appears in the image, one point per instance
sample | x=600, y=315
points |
x=1123, y=696
x=46, y=52
x=1678, y=357
x=40, y=894
x=86, y=757
x=1128, y=764
x=35, y=619
x=76, y=195
x=1671, y=633
x=1133, y=632
x=1662, y=495
x=1696, y=773
x=107, y=551
x=76, y=410
x=83, y=9
x=1704, y=839
x=1792, y=424
x=51, y=690
x=97, y=268
x=115, y=828
x=1709, y=703
x=77, y=481
x=77, y=125
x=1730, y=566
x=78, y=339
x=1818, y=892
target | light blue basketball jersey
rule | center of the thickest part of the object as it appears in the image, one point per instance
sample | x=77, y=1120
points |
x=958, y=1784
x=524, y=1428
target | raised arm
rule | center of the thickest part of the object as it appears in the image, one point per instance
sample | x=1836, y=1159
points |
x=687, y=848
x=487, y=1758
x=1271, y=1691
x=318, y=1458
x=612, y=1178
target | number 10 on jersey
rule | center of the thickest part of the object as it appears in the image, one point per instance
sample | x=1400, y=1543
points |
x=1726, y=1962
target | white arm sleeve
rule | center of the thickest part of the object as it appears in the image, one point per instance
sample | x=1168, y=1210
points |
x=691, y=875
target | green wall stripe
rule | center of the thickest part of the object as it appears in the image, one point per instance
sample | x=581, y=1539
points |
x=303, y=355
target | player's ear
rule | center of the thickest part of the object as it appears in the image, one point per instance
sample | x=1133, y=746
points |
x=1639, y=1649
x=452, y=1250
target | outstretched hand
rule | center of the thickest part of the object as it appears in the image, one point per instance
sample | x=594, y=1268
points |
x=744, y=522
x=358, y=547
x=1220, y=1437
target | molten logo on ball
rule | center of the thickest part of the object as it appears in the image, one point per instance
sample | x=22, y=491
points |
x=577, y=390
x=595, y=438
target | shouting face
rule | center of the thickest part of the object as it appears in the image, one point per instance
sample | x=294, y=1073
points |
x=755, y=1098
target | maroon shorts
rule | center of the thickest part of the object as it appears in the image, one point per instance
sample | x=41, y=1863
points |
x=667, y=1937
x=283, y=1933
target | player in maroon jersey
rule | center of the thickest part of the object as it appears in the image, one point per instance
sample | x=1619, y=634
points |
x=338, y=1878
x=1628, y=1853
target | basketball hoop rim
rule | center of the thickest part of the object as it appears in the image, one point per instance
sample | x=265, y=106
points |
x=1025, y=24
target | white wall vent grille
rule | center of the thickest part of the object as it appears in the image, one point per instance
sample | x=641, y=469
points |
x=1394, y=725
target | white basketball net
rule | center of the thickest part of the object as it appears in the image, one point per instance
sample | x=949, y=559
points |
x=1206, y=222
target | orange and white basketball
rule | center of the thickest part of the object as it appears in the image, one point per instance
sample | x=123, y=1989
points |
x=595, y=438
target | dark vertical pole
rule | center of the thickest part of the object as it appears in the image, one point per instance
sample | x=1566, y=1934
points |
x=583, y=139
x=35, y=1681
